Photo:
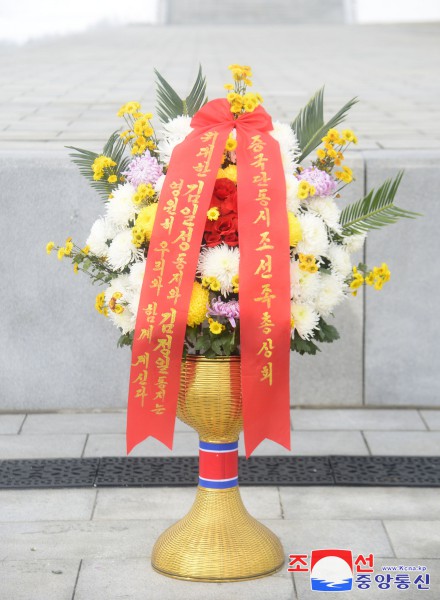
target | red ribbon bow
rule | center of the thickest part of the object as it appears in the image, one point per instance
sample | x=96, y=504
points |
x=264, y=278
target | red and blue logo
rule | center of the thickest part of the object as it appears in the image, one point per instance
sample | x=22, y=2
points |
x=331, y=570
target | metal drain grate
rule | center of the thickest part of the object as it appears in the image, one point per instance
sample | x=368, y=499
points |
x=48, y=473
x=410, y=471
x=386, y=470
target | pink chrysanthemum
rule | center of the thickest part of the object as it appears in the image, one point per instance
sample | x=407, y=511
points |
x=230, y=310
x=324, y=183
x=143, y=169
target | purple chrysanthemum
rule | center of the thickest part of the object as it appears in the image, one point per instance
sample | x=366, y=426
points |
x=143, y=169
x=230, y=310
x=324, y=183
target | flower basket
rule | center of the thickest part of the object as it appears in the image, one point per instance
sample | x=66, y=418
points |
x=223, y=243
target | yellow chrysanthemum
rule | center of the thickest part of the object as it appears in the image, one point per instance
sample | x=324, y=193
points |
x=198, y=305
x=230, y=173
x=49, y=247
x=215, y=327
x=100, y=164
x=112, y=179
x=143, y=227
x=295, y=232
x=231, y=144
x=129, y=108
x=213, y=213
x=348, y=135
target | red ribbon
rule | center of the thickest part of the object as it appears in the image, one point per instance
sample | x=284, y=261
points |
x=264, y=278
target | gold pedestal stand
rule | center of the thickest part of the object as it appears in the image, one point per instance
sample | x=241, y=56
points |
x=218, y=540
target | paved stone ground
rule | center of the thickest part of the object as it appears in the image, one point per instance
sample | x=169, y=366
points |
x=357, y=431
x=78, y=544
x=67, y=90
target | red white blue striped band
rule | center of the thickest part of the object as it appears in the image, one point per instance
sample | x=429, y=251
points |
x=218, y=464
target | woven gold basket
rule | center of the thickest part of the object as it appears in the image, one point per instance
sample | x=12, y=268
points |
x=218, y=540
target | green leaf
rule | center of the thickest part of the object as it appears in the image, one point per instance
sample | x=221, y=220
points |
x=375, y=210
x=303, y=346
x=170, y=105
x=326, y=333
x=126, y=339
x=309, y=125
x=216, y=345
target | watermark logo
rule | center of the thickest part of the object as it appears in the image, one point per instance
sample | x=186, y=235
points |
x=331, y=570
x=337, y=570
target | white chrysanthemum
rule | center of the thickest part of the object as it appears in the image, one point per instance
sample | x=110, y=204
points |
x=331, y=293
x=135, y=280
x=220, y=262
x=305, y=320
x=122, y=250
x=136, y=276
x=289, y=147
x=125, y=320
x=101, y=231
x=293, y=202
x=327, y=209
x=304, y=286
x=121, y=208
x=173, y=132
x=353, y=243
x=314, y=234
x=159, y=184
x=340, y=259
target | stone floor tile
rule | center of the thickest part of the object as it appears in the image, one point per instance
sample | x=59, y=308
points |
x=174, y=503
x=303, y=534
x=41, y=446
x=46, y=505
x=11, y=423
x=38, y=579
x=415, y=539
x=88, y=422
x=431, y=418
x=359, y=502
x=79, y=539
x=328, y=442
x=409, y=443
x=185, y=444
x=356, y=418
x=134, y=579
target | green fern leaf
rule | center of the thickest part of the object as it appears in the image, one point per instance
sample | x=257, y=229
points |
x=114, y=148
x=375, y=210
x=170, y=105
x=309, y=125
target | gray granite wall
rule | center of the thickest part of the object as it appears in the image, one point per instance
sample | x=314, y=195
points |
x=251, y=12
x=58, y=352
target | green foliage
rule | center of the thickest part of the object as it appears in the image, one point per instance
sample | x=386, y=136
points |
x=94, y=267
x=326, y=333
x=208, y=344
x=126, y=339
x=303, y=346
x=309, y=124
x=170, y=105
x=114, y=148
x=375, y=210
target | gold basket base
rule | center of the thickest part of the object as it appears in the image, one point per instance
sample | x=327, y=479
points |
x=218, y=540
